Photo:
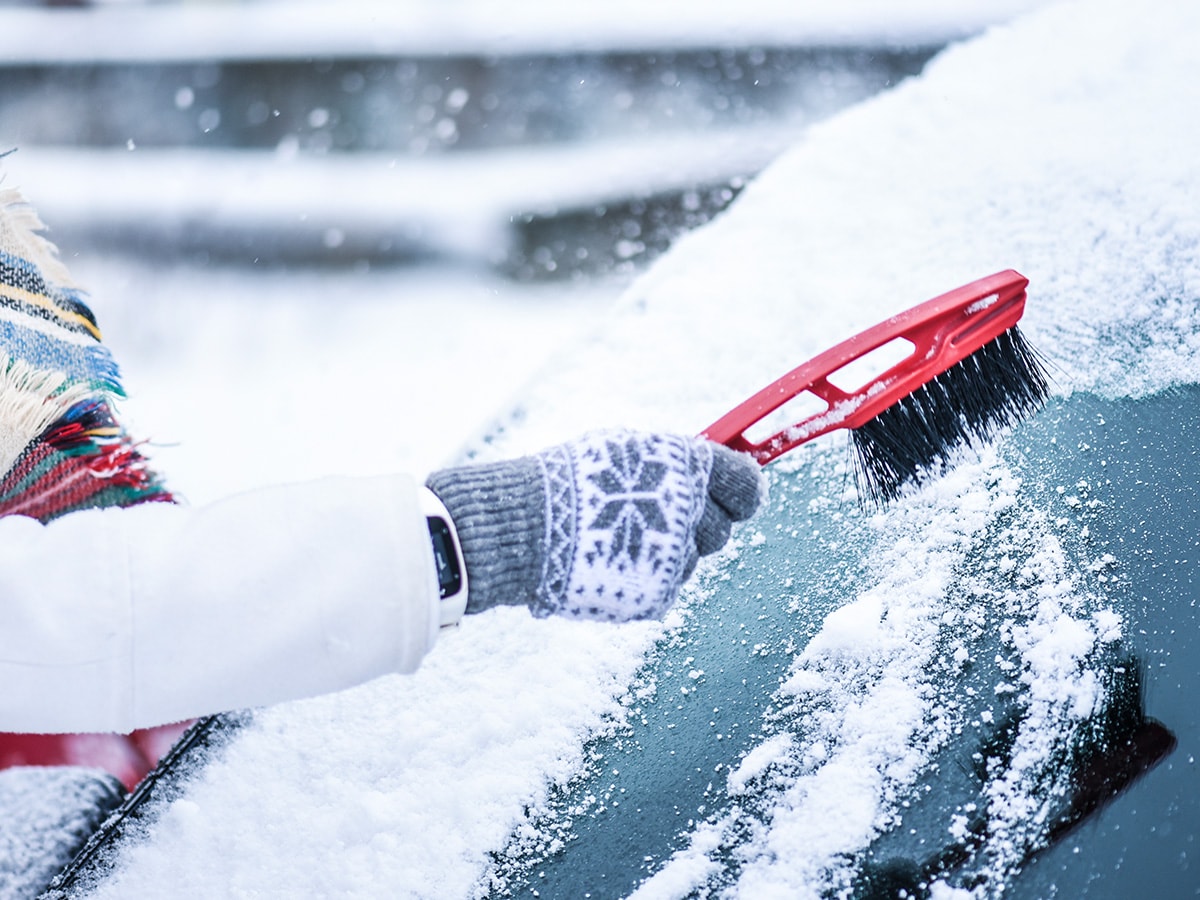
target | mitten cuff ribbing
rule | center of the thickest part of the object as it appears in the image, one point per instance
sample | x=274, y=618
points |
x=499, y=511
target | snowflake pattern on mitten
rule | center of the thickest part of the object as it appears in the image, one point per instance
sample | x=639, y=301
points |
x=622, y=511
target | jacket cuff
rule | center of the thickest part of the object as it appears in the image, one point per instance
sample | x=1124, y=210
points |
x=499, y=511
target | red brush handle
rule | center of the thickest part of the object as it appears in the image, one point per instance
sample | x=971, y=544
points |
x=942, y=331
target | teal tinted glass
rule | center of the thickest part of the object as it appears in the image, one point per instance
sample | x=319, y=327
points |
x=1115, y=483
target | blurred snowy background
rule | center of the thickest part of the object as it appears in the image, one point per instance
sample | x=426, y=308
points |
x=342, y=237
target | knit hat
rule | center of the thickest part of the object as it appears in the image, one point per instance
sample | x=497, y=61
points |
x=61, y=446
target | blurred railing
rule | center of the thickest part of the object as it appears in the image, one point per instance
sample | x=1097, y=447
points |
x=539, y=164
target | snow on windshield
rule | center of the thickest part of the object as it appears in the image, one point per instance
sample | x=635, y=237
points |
x=1063, y=146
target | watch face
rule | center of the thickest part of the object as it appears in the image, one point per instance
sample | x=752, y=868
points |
x=445, y=556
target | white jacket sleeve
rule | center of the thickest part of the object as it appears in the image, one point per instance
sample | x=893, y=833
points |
x=117, y=619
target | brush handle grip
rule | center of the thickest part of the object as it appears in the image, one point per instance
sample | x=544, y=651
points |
x=943, y=331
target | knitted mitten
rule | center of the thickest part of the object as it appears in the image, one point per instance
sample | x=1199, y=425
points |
x=605, y=527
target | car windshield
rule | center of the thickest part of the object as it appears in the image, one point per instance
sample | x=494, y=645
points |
x=1021, y=714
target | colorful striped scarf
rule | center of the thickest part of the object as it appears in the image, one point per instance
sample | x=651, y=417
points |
x=61, y=445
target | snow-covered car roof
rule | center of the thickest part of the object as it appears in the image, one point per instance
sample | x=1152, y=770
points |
x=785, y=728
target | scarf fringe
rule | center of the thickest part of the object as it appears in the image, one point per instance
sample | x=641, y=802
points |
x=84, y=460
x=31, y=400
x=22, y=230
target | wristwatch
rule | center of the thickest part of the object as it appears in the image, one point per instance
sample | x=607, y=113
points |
x=447, y=560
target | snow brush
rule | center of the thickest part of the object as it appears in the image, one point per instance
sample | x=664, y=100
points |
x=965, y=371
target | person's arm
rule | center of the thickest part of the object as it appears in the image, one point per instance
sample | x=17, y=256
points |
x=112, y=620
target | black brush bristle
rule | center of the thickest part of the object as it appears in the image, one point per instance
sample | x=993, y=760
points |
x=1001, y=383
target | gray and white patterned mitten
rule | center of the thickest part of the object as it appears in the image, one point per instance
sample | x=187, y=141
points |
x=606, y=527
